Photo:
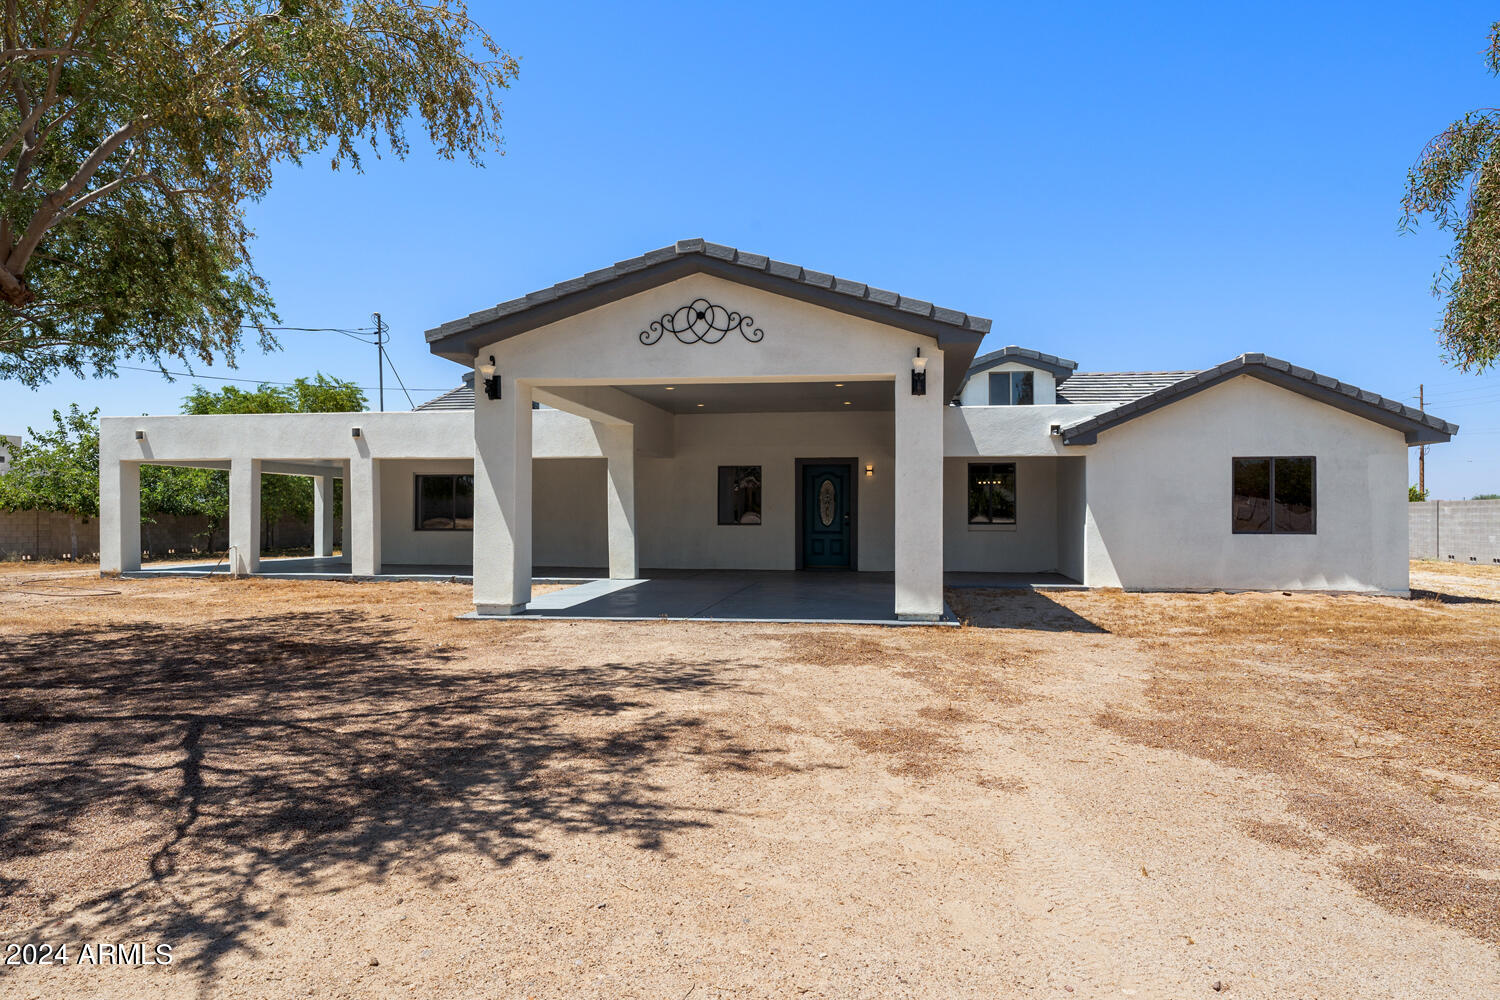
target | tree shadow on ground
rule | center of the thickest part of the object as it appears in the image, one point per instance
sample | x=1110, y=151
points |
x=1445, y=598
x=227, y=761
x=1018, y=608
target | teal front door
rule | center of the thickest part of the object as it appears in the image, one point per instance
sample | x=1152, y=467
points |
x=827, y=517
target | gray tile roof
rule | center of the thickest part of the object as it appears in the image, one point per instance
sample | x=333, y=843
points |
x=1419, y=427
x=852, y=290
x=461, y=398
x=1115, y=387
x=1061, y=367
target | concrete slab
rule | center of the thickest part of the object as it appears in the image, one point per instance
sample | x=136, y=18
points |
x=727, y=595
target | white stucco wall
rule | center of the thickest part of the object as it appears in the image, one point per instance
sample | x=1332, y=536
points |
x=568, y=529
x=977, y=391
x=1028, y=546
x=1010, y=430
x=677, y=498
x=401, y=543
x=569, y=524
x=1159, y=489
x=1072, y=516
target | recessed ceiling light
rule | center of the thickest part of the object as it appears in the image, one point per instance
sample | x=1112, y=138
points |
x=700, y=404
x=848, y=403
x=838, y=385
x=671, y=388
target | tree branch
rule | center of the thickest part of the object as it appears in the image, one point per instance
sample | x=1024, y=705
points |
x=47, y=213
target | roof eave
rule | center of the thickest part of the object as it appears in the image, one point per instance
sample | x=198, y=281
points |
x=958, y=334
x=1418, y=427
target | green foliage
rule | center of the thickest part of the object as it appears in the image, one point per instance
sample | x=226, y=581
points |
x=1415, y=494
x=1456, y=182
x=59, y=469
x=56, y=469
x=133, y=133
x=1486, y=496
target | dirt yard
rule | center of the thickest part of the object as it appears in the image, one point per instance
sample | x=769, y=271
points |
x=332, y=789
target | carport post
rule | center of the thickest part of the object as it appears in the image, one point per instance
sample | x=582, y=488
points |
x=502, y=500
x=244, y=516
x=322, y=515
x=919, y=495
x=345, y=545
x=119, y=515
x=362, y=509
x=617, y=441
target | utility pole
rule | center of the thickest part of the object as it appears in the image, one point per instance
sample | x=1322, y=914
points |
x=380, y=356
x=1422, y=448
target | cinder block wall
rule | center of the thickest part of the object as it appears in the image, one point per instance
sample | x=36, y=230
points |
x=1455, y=530
x=35, y=534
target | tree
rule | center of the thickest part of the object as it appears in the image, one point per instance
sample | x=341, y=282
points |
x=133, y=132
x=56, y=469
x=1456, y=181
x=1415, y=494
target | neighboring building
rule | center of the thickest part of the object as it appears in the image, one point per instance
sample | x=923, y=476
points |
x=8, y=445
x=702, y=407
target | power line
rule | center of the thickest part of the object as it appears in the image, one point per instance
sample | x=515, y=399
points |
x=252, y=381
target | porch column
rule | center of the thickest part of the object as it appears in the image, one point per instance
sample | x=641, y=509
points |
x=119, y=515
x=244, y=516
x=322, y=543
x=617, y=441
x=345, y=546
x=919, y=494
x=502, y=500
x=362, y=514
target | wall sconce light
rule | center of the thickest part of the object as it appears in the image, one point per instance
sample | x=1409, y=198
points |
x=140, y=435
x=869, y=471
x=354, y=432
x=919, y=374
x=491, y=380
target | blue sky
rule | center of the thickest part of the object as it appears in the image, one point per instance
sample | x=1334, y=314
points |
x=1158, y=187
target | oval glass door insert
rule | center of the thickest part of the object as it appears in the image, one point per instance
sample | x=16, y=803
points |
x=826, y=503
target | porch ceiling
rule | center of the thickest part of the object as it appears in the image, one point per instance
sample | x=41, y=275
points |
x=766, y=397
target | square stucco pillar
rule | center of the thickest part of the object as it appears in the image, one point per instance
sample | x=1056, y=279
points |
x=244, y=516
x=617, y=441
x=502, y=501
x=362, y=512
x=919, y=495
x=345, y=546
x=119, y=515
x=322, y=515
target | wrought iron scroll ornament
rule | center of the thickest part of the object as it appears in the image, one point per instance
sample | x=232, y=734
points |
x=702, y=322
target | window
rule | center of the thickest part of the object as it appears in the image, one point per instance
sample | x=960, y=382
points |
x=739, y=494
x=1275, y=496
x=445, y=503
x=1011, y=389
x=992, y=493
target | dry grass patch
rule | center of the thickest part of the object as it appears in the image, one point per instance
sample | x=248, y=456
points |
x=1378, y=714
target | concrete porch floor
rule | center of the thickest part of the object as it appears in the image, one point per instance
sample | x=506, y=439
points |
x=680, y=595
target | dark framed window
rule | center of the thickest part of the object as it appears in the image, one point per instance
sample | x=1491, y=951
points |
x=1275, y=496
x=1012, y=388
x=739, y=494
x=445, y=503
x=992, y=492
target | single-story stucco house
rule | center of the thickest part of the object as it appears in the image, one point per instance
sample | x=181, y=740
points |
x=702, y=407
